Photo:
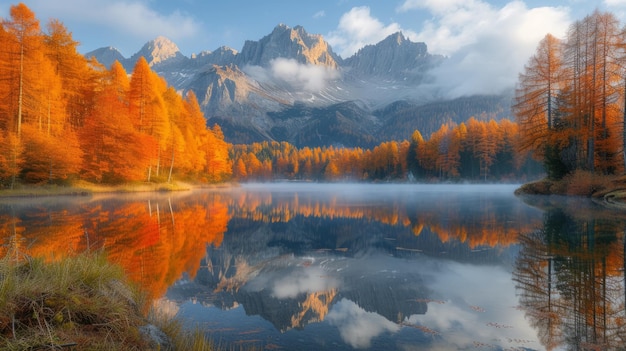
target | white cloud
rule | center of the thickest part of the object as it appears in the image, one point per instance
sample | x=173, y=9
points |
x=141, y=20
x=309, y=77
x=134, y=18
x=299, y=76
x=615, y=2
x=319, y=14
x=358, y=28
x=358, y=327
x=472, y=312
x=487, y=46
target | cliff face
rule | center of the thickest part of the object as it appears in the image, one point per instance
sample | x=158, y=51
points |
x=284, y=42
x=395, y=56
x=159, y=51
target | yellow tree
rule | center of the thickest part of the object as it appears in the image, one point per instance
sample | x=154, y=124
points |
x=535, y=96
x=77, y=78
x=147, y=109
x=193, y=127
x=23, y=57
x=114, y=150
x=11, y=158
x=218, y=165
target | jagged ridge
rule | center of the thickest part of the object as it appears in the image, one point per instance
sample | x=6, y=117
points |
x=290, y=86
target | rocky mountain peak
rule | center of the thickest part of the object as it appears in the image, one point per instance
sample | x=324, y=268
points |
x=106, y=55
x=397, y=38
x=291, y=43
x=394, y=55
x=158, y=51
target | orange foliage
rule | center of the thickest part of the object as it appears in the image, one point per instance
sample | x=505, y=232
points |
x=72, y=118
x=480, y=150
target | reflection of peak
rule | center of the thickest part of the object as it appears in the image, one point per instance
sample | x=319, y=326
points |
x=314, y=308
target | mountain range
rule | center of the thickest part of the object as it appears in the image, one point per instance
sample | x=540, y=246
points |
x=291, y=86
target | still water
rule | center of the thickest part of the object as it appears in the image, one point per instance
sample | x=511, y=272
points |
x=355, y=267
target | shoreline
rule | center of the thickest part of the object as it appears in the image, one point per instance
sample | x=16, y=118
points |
x=89, y=189
x=609, y=191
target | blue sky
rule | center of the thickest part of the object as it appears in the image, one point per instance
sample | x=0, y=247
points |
x=488, y=41
x=197, y=25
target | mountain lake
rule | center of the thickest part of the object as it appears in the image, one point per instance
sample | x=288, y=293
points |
x=306, y=266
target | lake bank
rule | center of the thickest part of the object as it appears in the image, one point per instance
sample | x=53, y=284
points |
x=609, y=190
x=87, y=189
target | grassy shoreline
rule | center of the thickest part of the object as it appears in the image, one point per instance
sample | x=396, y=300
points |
x=81, y=303
x=87, y=189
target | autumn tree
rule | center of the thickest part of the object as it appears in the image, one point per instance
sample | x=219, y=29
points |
x=11, y=158
x=77, y=78
x=535, y=98
x=574, y=127
x=114, y=150
x=148, y=111
x=23, y=57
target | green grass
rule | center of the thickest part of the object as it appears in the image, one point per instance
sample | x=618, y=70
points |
x=78, y=303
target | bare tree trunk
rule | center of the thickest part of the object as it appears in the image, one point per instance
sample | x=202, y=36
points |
x=20, y=93
x=624, y=128
x=169, y=177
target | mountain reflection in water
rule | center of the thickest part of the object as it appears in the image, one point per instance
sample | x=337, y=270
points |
x=343, y=266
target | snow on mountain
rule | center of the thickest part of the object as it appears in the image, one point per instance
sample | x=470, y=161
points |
x=159, y=51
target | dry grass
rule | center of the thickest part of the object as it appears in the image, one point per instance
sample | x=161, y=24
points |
x=83, y=301
x=79, y=303
x=82, y=188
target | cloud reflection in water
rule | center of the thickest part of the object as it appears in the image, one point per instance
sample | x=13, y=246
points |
x=358, y=327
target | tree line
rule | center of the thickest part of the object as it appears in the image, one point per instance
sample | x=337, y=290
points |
x=569, y=102
x=473, y=150
x=65, y=117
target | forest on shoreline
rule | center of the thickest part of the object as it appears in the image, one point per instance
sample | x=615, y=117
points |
x=65, y=118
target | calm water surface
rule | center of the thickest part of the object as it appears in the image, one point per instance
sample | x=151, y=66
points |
x=345, y=267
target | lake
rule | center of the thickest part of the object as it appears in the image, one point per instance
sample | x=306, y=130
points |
x=354, y=266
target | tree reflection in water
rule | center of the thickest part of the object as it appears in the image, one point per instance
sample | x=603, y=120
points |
x=300, y=259
x=570, y=275
x=156, y=239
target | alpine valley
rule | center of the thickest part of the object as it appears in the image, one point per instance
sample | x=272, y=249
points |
x=290, y=86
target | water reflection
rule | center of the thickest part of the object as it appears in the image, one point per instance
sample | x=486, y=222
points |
x=364, y=268
x=571, y=275
x=349, y=267
x=155, y=238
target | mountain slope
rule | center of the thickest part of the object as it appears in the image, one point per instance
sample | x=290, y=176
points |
x=290, y=86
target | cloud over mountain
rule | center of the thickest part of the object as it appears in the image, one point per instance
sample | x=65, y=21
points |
x=358, y=28
x=305, y=76
x=487, y=46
